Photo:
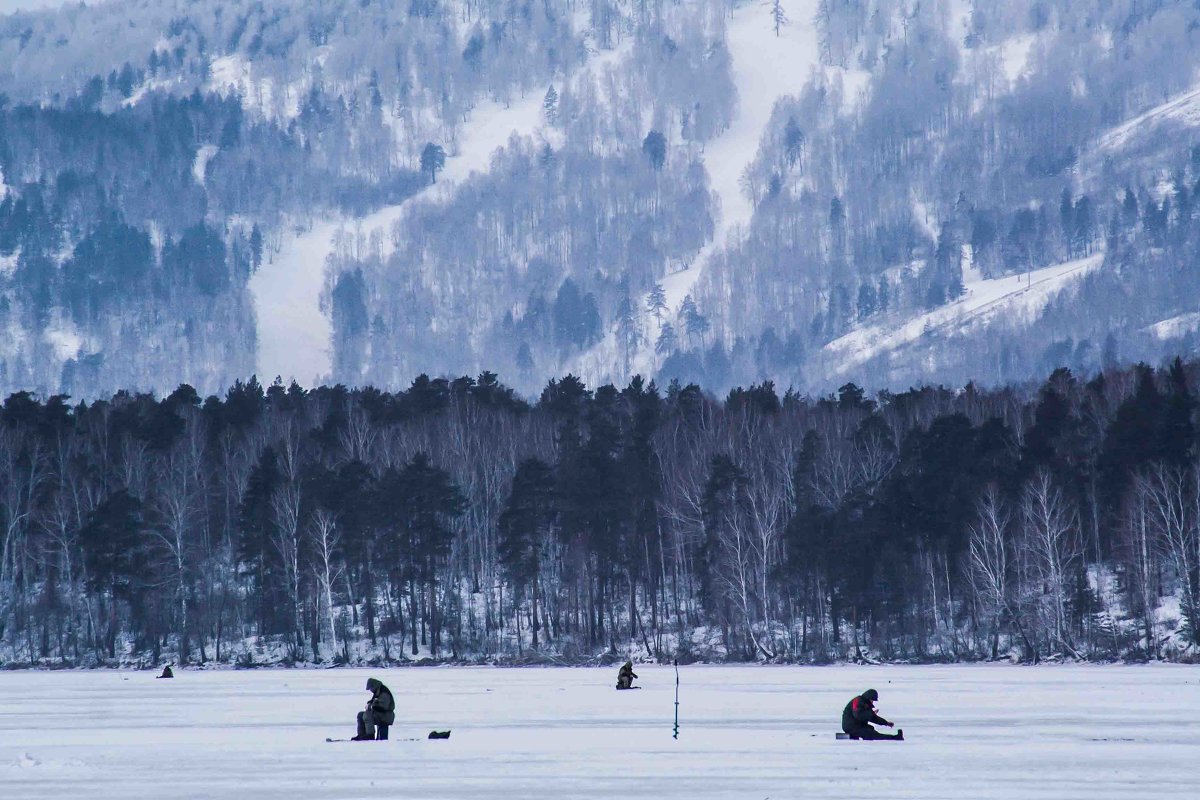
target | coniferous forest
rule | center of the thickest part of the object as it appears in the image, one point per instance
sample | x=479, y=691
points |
x=456, y=520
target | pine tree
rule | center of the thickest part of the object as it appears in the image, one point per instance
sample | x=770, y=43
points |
x=628, y=332
x=793, y=141
x=433, y=158
x=667, y=340
x=550, y=106
x=778, y=17
x=693, y=320
x=655, y=148
x=526, y=529
x=656, y=302
x=524, y=360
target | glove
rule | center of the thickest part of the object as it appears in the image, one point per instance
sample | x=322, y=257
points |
x=889, y=724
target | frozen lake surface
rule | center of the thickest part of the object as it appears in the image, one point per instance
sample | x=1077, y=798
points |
x=982, y=731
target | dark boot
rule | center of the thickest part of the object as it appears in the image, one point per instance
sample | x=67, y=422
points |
x=363, y=734
x=381, y=732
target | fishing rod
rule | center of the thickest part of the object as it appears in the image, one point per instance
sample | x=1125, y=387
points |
x=676, y=661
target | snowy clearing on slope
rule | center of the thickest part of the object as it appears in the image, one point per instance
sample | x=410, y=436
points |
x=1014, y=55
x=1017, y=296
x=983, y=731
x=294, y=334
x=200, y=165
x=1183, y=108
x=765, y=68
x=1175, y=327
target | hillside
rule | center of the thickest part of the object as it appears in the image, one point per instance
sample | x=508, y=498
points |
x=711, y=191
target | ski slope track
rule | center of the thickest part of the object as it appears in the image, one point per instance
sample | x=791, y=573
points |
x=766, y=67
x=982, y=731
x=1018, y=297
x=1183, y=109
x=294, y=334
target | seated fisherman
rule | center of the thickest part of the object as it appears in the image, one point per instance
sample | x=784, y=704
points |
x=380, y=713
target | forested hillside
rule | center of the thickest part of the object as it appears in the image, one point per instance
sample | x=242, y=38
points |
x=453, y=520
x=722, y=192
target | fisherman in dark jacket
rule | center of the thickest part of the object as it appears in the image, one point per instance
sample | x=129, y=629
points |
x=380, y=714
x=625, y=676
x=860, y=713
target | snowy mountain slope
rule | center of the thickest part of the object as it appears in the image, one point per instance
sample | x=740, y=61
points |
x=765, y=67
x=294, y=332
x=985, y=301
x=1175, y=327
x=1183, y=109
x=294, y=329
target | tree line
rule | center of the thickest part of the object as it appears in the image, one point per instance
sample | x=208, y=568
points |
x=455, y=520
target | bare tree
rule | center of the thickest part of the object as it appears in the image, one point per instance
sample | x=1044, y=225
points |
x=1052, y=544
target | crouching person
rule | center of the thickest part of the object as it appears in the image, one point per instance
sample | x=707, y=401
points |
x=625, y=676
x=860, y=713
x=379, y=715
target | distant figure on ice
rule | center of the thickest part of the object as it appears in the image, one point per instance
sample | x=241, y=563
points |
x=860, y=713
x=167, y=673
x=380, y=713
x=625, y=676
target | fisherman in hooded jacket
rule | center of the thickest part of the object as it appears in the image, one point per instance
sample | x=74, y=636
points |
x=380, y=714
x=860, y=713
x=625, y=676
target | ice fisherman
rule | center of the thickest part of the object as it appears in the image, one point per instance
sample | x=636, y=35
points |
x=860, y=713
x=379, y=715
x=625, y=676
x=167, y=673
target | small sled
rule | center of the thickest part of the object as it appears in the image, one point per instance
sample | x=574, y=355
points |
x=439, y=735
x=840, y=736
x=626, y=688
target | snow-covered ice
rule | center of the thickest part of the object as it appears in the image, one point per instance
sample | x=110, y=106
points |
x=978, y=731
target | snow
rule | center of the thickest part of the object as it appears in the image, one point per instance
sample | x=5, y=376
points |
x=489, y=128
x=233, y=74
x=294, y=334
x=65, y=341
x=984, y=300
x=1175, y=327
x=765, y=68
x=1065, y=732
x=200, y=165
x=1183, y=109
x=1014, y=55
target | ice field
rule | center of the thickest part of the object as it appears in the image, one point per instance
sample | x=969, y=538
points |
x=980, y=731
